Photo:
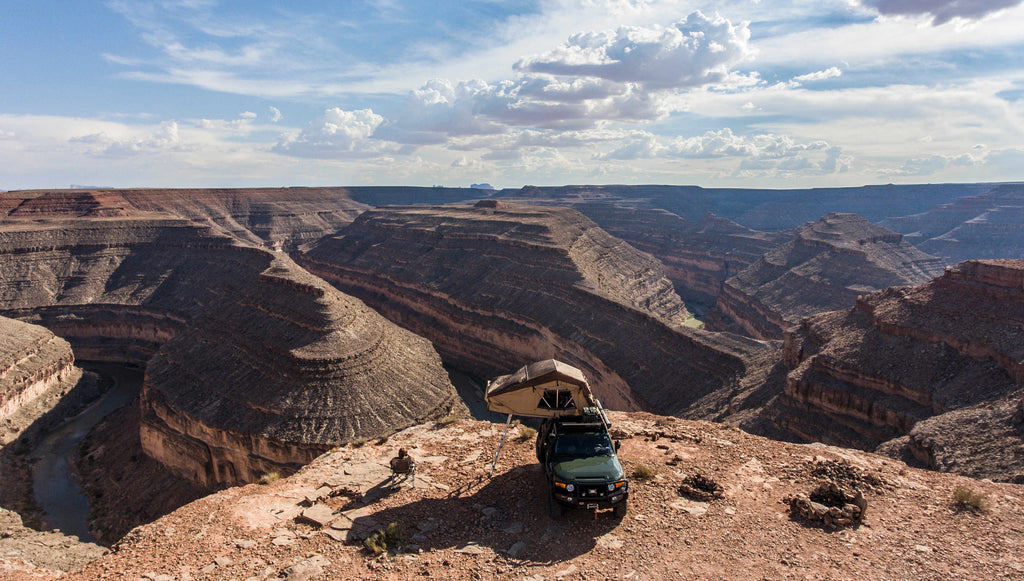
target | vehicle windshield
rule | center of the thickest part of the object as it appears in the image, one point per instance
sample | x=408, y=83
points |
x=583, y=445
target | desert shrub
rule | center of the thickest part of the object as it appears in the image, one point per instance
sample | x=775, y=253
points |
x=447, y=420
x=359, y=442
x=268, y=478
x=966, y=497
x=527, y=433
x=665, y=421
x=383, y=540
x=644, y=471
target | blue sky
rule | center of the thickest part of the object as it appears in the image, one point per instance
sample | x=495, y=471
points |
x=744, y=93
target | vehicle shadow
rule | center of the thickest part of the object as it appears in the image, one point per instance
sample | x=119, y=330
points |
x=505, y=515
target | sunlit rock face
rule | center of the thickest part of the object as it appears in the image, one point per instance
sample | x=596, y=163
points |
x=826, y=265
x=279, y=368
x=32, y=361
x=932, y=372
x=495, y=286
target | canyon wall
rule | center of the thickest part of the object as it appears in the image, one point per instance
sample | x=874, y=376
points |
x=931, y=372
x=698, y=257
x=495, y=286
x=986, y=225
x=272, y=217
x=32, y=361
x=825, y=266
x=279, y=368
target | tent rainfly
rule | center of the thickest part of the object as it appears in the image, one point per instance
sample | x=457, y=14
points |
x=544, y=389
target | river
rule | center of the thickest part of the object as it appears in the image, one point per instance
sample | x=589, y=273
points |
x=59, y=497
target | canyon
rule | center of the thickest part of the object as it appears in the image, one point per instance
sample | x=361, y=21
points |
x=273, y=325
x=823, y=267
x=930, y=373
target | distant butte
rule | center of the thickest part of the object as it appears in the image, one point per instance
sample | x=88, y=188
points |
x=825, y=266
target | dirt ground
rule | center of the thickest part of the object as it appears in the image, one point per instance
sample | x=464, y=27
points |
x=457, y=523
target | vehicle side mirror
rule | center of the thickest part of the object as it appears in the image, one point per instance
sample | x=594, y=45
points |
x=618, y=444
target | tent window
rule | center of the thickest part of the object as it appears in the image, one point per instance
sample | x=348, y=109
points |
x=557, y=399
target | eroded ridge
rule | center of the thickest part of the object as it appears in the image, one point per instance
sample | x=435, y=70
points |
x=494, y=285
x=931, y=372
x=826, y=265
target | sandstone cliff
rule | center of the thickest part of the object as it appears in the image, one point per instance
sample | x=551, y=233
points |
x=276, y=365
x=825, y=266
x=932, y=372
x=497, y=286
x=698, y=257
x=275, y=217
x=277, y=369
x=33, y=361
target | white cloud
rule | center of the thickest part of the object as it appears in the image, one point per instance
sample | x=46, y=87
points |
x=694, y=52
x=924, y=166
x=275, y=114
x=829, y=73
x=106, y=144
x=249, y=115
x=336, y=134
x=941, y=11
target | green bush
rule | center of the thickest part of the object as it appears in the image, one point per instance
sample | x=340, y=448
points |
x=447, y=420
x=966, y=497
x=527, y=433
x=268, y=478
x=644, y=471
x=390, y=537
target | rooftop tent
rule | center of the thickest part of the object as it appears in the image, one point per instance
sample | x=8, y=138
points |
x=543, y=389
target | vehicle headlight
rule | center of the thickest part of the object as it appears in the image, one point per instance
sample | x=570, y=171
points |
x=570, y=487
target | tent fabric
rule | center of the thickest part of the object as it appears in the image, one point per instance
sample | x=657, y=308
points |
x=544, y=389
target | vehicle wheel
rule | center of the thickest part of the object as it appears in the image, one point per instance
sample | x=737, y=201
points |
x=620, y=509
x=554, y=508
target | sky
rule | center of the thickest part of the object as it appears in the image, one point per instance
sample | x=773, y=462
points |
x=742, y=93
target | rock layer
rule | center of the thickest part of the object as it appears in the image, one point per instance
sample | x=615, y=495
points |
x=932, y=371
x=826, y=265
x=277, y=369
x=494, y=286
x=987, y=225
x=32, y=361
x=275, y=217
x=698, y=257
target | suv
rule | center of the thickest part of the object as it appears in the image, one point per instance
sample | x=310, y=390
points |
x=580, y=463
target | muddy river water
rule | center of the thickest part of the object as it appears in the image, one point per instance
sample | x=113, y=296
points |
x=58, y=495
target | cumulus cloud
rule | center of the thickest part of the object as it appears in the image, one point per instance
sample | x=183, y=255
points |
x=247, y=115
x=694, y=52
x=760, y=152
x=829, y=73
x=275, y=114
x=336, y=134
x=108, y=145
x=941, y=11
x=928, y=165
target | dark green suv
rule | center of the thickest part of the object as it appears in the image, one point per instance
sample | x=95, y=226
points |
x=580, y=463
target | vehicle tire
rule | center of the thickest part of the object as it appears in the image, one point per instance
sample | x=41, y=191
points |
x=620, y=509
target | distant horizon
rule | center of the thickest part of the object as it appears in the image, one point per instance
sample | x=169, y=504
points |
x=752, y=95
x=503, y=188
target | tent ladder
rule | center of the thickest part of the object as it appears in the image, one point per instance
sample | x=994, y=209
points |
x=508, y=424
